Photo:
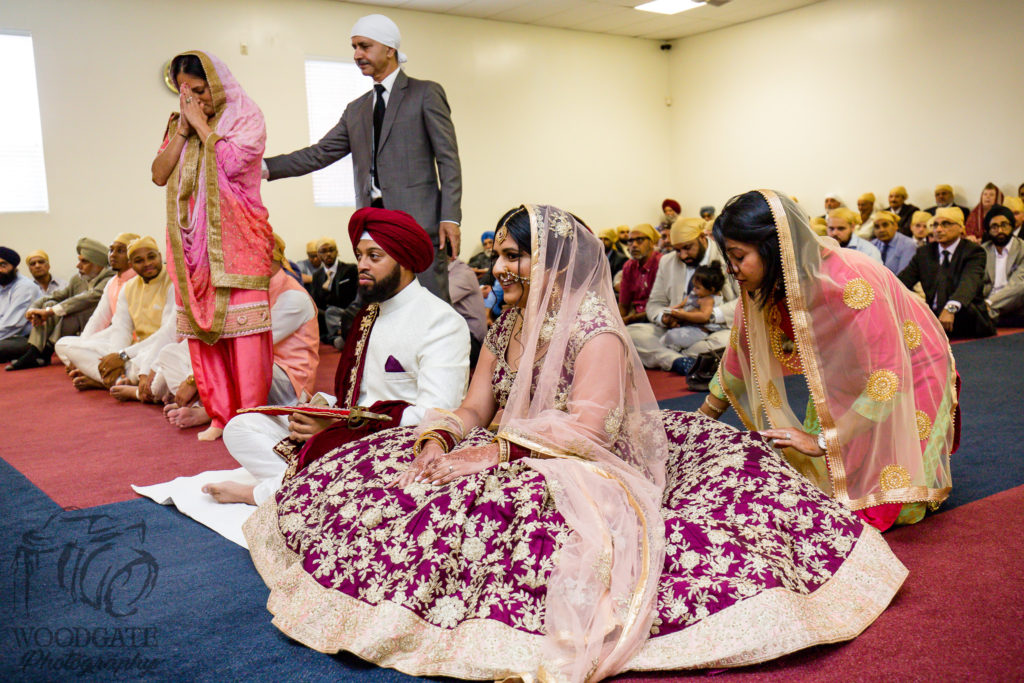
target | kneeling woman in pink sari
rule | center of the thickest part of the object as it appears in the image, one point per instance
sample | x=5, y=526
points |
x=883, y=417
x=218, y=237
x=588, y=535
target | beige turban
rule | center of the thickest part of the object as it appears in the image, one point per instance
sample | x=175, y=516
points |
x=918, y=217
x=845, y=214
x=648, y=230
x=819, y=225
x=952, y=213
x=686, y=230
x=126, y=238
x=325, y=242
x=867, y=197
x=38, y=252
x=893, y=218
x=947, y=188
x=311, y=246
x=610, y=234
x=142, y=243
x=92, y=251
x=1014, y=204
x=899, y=191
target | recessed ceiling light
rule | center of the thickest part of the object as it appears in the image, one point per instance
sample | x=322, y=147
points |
x=668, y=6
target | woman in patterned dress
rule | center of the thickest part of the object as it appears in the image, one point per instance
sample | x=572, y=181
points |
x=883, y=417
x=588, y=535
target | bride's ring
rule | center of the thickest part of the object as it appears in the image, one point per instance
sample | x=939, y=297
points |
x=451, y=468
x=188, y=99
x=789, y=437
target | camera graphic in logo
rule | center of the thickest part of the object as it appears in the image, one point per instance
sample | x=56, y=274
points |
x=93, y=558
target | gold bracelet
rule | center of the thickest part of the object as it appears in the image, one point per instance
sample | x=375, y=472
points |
x=428, y=436
x=503, y=450
x=191, y=379
x=711, y=411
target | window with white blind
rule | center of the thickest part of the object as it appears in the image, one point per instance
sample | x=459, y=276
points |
x=330, y=86
x=22, y=173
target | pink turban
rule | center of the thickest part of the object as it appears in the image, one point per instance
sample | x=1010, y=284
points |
x=397, y=233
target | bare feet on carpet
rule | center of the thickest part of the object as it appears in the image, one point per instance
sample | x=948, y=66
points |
x=187, y=417
x=125, y=392
x=82, y=382
x=210, y=433
x=231, y=492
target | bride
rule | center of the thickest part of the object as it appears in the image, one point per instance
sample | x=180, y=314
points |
x=584, y=534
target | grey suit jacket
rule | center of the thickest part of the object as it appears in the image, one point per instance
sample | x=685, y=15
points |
x=416, y=151
x=1014, y=272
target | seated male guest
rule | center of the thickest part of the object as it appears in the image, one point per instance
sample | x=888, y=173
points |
x=483, y=262
x=612, y=251
x=466, y=297
x=899, y=206
x=144, y=323
x=1004, y=288
x=296, y=352
x=1016, y=205
x=333, y=290
x=832, y=201
x=840, y=225
x=896, y=248
x=920, y=228
x=17, y=293
x=866, y=209
x=638, y=273
x=672, y=284
x=310, y=264
x=951, y=271
x=409, y=352
x=38, y=263
x=944, y=200
x=66, y=311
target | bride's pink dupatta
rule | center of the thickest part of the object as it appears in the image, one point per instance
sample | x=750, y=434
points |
x=591, y=412
x=218, y=235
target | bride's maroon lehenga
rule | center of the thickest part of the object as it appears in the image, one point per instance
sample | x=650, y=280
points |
x=453, y=580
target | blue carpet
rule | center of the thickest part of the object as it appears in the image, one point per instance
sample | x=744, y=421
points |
x=991, y=454
x=135, y=590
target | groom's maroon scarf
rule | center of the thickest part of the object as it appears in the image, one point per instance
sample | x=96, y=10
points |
x=347, y=381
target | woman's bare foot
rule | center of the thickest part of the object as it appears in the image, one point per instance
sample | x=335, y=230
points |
x=210, y=434
x=82, y=383
x=125, y=392
x=230, y=491
x=187, y=417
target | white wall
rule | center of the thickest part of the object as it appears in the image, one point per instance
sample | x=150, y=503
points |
x=850, y=96
x=542, y=115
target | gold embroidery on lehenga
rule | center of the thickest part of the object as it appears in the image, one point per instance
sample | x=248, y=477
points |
x=882, y=385
x=857, y=294
x=613, y=421
x=924, y=425
x=911, y=334
x=893, y=477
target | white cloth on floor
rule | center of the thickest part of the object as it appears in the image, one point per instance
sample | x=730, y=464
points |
x=250, y=439
x=186, y=494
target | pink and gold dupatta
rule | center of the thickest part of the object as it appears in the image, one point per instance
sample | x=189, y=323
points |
x=590, y=411
x=878, y=365
x=217, y=230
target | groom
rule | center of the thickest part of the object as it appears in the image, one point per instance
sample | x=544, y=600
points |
x=408, y=352
x=402, y=142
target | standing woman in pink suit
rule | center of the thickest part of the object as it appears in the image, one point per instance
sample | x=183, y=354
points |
x=218, y=237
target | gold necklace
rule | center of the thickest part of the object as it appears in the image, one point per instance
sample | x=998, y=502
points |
x=791, y=359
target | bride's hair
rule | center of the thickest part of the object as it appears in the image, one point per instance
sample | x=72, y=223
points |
x=189, y=64
x=747, y=218
x=517, y=221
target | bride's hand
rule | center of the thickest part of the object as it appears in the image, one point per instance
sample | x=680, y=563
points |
x=460, y=463
x=431, y=451
x=191, y=108
x=183, y=125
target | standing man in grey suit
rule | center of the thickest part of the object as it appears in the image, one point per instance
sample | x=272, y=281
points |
x=402, y=143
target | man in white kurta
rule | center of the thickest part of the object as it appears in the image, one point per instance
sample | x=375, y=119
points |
x=416, y=350
x=141, y=326
x=691, y=248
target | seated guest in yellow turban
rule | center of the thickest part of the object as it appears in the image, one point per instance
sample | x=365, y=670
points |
x=896, y=249
x=38, y=263
x=898, y=205
x=124, y=353
x=841, y=223
x=639, y=272
x=612, y=251
x=866, y=207
x=921, y=228
x=1016, y=205
x=671, y=285
x=944, y=199
x=310, y=264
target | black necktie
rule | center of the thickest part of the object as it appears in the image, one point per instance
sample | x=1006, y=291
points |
x=945, y=258
x=378, y=124
x=885, y=250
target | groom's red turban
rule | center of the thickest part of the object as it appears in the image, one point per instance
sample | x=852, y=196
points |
x=397, y=233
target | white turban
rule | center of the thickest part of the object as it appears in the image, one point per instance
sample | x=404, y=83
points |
x=378, y=27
